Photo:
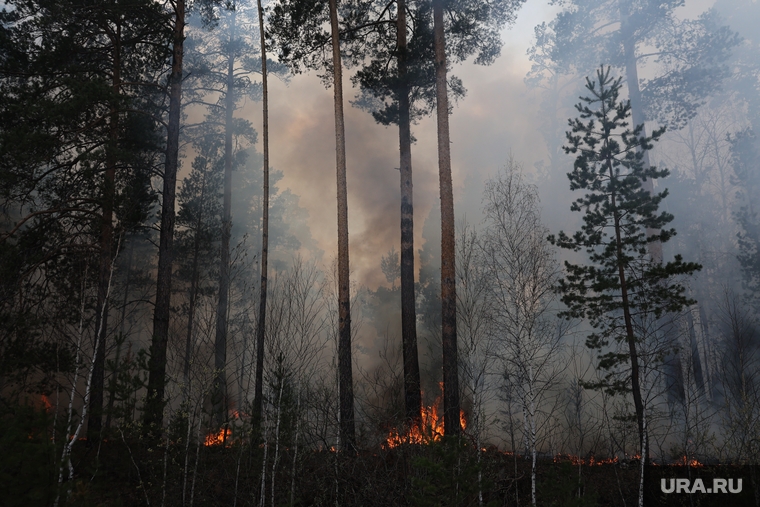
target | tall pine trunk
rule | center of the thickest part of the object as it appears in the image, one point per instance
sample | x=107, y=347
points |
x=261, y=323
x=345, y=376
x=220, y=341
x=95, y=421
x=637, y=108
x=154, y=405
x=412, y=395
x=448, y=271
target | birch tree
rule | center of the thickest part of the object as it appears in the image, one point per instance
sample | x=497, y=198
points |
x=522, y=271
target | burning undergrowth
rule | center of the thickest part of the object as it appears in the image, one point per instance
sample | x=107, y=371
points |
x=429, y=429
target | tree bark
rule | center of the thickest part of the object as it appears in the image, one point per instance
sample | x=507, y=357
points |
x=220, y=342
x=261, y=323
x=448, y=270
x=154, y=404
x=412, y=393
x=95, y=421
x=345, y=376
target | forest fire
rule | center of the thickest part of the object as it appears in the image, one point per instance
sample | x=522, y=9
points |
x=221, y=437
x=684, y=462
x=430, y=429
x=590, y=461
x=224, y=434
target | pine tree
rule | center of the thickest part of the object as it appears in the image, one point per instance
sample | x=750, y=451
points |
x=298, y=31
x=199, y=225
x=469, y=27
x=398, y=87
x=448, y=270
x=154, y=404
x=689, y=56
x=621, y=291
x=345, y=376
x=78, y=105
x=261, y=324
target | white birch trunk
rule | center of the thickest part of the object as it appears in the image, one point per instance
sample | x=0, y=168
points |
x=66, y=452
x=66, y=448
x=277, y=436
x=295, y=451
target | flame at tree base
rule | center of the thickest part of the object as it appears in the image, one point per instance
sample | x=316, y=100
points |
x=430, y=429
x=222, y=437
x=224, y=434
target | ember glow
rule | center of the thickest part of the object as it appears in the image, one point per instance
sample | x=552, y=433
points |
x=590, y=461
x=431, y=429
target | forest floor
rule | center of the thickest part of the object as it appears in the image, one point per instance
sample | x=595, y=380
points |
x=125, y=473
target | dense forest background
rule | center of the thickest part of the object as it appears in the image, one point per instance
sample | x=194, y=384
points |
x=562, y=309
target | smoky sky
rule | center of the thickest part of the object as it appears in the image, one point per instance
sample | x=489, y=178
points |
x=497, y=117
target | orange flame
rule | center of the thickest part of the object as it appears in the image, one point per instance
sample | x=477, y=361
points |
x=221, y=436
x=430, y=429
x=684, y=461
x=590, y=461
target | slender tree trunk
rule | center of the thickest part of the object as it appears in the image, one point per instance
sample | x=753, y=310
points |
x=220, y=342
x=95, y=421
x=197, y=460
x=412, y=393
x=448, y=271
x=633, y=354
x=532, y=415
x=345, y=375
x=242, y=391
x=190, y=422
x=276, y=458
x=66, y=451
x=115, y=372
x=261, y=323
x=295, y=451
x=154, y=405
